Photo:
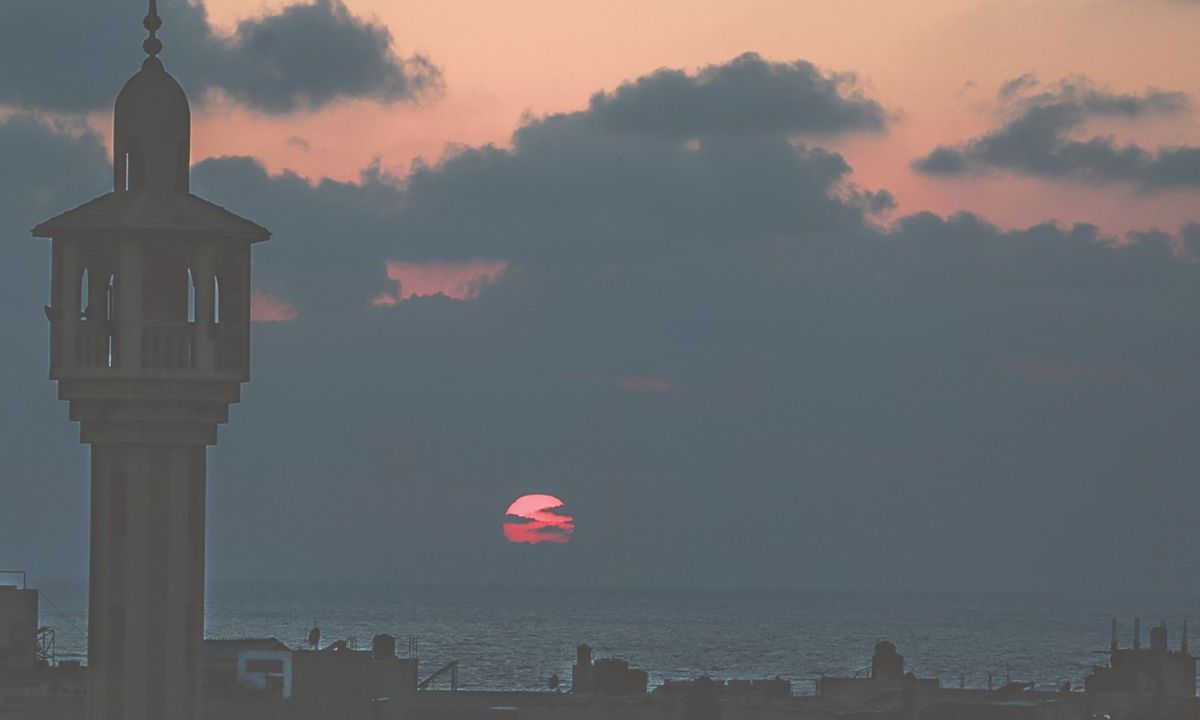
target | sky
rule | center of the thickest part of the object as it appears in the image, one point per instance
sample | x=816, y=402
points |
x=889, y=295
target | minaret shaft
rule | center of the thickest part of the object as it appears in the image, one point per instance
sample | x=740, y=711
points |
x=146, y=631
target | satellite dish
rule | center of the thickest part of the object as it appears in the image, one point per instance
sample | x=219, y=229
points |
x=314, y=636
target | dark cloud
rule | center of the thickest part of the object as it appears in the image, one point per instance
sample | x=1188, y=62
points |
x=73, y=55
x=1017, y=84
x=943, y=161
x=49, y=164
x=739, y=262
x=1037, y=141
x=46, y=169
x=746, y=96
x=309, y=55
x=944, y=384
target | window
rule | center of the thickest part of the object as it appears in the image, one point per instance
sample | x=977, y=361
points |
x=191, y=300
x=134, y=166
x=83, y=295
x=110, y=299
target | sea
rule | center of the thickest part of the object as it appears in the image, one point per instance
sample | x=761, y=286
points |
x=517, y=638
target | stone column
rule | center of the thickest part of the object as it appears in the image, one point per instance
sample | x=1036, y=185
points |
x=146, y=627
x=204, y=275
x=129, y=316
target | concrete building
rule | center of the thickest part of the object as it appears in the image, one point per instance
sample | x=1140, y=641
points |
x=150, y=342
x=18, y=629
x=888, y=684
x=261, y=665
x=340, y=682
x=31, y=687
x=605, y=677
x=1154, y=673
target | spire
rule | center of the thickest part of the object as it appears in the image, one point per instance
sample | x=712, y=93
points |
x=151, y=124
x=153, y=23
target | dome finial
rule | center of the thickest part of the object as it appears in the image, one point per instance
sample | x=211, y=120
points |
x=153, y=46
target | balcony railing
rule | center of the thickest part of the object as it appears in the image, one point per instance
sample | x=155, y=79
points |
x=166, y=347
x=169, y=346
x=96, y=344
x=229, y=349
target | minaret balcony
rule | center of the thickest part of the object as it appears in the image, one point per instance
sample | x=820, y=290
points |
x=182, y=350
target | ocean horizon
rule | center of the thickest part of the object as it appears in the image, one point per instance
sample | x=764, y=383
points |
x=509, y=637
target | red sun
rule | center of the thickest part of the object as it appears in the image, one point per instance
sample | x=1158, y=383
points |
x=532, y=520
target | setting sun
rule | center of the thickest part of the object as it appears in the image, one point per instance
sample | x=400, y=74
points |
x=532, y=520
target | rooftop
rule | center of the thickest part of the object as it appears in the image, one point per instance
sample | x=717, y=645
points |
x=228, y=649
x=153, y=211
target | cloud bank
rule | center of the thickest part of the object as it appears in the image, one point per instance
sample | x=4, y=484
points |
x=73, y=55
x=692, y=326
x=1037, y=139
x=746, y=96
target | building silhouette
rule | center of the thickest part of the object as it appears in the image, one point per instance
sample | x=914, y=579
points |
x=1155, y=673
x=150, y=342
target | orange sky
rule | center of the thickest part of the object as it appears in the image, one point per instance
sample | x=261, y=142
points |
x=935, y=64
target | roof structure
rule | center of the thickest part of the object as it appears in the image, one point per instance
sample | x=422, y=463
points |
x=229, y=649
x=166, y=212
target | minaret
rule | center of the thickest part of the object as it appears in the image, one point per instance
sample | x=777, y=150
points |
x=150, y=343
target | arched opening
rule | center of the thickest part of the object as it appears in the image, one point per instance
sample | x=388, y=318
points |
x=110, y=299
x=168, y=311
x=191, y=299
x=133, y=166
x=83, y=295
x=110, y=315
x=216, y=300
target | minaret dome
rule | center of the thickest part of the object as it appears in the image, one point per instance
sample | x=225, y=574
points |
x=152, y=126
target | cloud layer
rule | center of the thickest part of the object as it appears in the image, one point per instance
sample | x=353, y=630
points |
x=1037, y=139
x=705, y=340
x=746, y=96
x=305, y=56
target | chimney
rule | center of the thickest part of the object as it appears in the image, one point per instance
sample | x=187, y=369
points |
x=1183, y=648
x=1137, y=633
x=1113, y=643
